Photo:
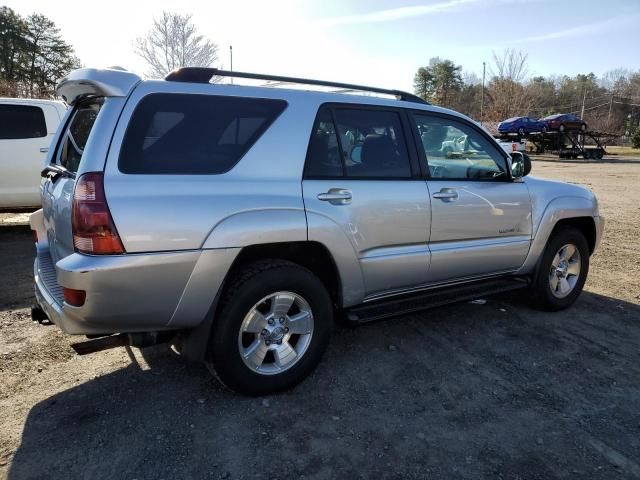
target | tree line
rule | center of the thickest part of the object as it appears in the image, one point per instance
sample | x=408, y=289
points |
x=610, y=103
x=33, y=55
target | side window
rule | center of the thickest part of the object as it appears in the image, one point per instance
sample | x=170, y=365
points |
x=21, y=121
x=372, y=143
x=323, y=157
x=455, y=150
x=75, y=138
x=171, y=133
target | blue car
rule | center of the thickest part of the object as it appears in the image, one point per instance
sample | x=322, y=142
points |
x=521, y=126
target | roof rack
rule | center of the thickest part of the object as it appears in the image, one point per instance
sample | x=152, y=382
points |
x=204, y=75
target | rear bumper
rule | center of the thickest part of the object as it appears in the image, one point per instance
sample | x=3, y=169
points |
x=131, y=293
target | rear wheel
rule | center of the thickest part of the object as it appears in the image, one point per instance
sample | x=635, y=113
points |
x=562, y=271
x=274, y=325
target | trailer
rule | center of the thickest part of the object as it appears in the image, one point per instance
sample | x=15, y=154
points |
x=565, y=144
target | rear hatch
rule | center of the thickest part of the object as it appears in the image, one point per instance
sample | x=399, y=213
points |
x=60, y=176
x=80, y=145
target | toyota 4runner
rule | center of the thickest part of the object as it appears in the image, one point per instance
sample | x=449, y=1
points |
x=238, y=221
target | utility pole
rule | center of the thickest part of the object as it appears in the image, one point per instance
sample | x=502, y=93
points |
x=584, y=98
x=482, y=97
x=610, y=108
x=231, y=60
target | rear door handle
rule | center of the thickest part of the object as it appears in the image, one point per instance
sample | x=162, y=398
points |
x=336, y=196
x=44, y=149
x=446, y=195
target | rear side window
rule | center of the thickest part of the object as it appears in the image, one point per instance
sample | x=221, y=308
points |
x=21, y=121
x=193, y=134
x=363, y=143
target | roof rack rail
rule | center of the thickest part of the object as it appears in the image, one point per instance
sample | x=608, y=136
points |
x=204, y=75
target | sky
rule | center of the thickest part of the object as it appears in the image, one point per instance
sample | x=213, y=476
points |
x=371, y=42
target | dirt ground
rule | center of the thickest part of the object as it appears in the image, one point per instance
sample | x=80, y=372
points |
x=467, y=391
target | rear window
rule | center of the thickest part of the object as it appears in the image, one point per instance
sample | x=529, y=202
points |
x=21, y=121
x=193, y=134
x=75, y=137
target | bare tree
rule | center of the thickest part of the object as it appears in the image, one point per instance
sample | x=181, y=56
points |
x=507, y=95
x=511, y=65
x=174, y=42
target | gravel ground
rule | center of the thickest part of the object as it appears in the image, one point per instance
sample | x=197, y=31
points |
x=467, y=391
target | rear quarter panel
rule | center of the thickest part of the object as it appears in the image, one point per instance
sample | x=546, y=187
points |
x=258, y=200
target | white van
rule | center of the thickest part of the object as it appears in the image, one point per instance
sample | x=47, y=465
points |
x=26, y=129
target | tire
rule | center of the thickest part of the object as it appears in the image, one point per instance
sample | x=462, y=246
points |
x=543, y=294
x=256, y=289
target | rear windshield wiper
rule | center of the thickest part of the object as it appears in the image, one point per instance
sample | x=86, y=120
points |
x=54, y=171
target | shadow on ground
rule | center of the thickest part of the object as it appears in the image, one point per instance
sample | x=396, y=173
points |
x=17, y=252
x=467, y=391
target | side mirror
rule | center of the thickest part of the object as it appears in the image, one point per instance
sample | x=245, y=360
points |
x=520, y=164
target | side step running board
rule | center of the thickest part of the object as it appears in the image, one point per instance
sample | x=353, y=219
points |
x=436, y=297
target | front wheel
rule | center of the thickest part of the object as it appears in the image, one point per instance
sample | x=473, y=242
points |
x=274, y=325
x=562, y=271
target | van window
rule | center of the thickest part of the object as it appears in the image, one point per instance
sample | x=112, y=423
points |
x=75, y=138
x=21, y=121
x=193, y=134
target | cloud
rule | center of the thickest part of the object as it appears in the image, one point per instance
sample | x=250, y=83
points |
x=395, y=13
x=400, y=13
x=581, y=30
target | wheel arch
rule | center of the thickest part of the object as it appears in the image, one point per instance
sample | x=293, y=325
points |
x=312, y=255
x=563, y=211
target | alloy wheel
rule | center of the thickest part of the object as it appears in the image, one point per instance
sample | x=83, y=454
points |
x=276, y=333
x=565, y=270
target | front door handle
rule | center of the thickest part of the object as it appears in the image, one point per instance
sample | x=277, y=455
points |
x=44, y=149
x=336, y=196
x=446, y=195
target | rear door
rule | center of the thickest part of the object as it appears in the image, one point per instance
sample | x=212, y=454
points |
x=23, y=144
x=57, y=190
x=480, y=217
x=361, y=176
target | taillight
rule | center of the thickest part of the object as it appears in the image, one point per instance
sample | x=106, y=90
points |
x=92, y=225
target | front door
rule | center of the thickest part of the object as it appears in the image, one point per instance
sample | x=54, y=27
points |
x=361, y=185
x=480, y=217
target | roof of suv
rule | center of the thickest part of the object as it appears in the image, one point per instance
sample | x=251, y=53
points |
x=119, y=83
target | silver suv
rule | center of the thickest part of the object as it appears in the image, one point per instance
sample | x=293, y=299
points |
x=237, y=222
